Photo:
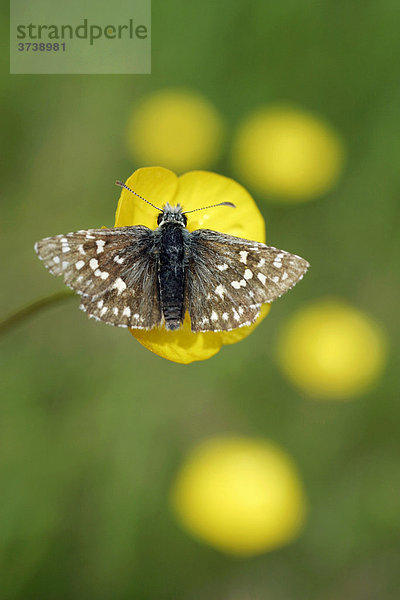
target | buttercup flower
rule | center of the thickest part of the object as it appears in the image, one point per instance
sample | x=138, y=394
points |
x=332, y=350
x=240, y=495
x=192, y=190
x=288, y=153
x=176, y=128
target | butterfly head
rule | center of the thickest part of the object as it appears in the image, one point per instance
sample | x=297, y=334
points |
x=172, y=214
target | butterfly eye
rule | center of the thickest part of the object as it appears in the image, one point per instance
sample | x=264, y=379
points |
x=159, y=218
x=184, y=219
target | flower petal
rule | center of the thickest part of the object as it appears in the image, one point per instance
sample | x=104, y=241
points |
x=202, y=188
x=182, y=346
x=157, y=185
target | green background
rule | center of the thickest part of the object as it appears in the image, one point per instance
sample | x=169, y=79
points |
x=93, y=426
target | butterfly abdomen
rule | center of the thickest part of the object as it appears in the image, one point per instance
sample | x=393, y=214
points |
x=172, y=275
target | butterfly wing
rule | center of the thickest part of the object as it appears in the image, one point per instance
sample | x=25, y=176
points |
x=229, y=278
x=114, y=270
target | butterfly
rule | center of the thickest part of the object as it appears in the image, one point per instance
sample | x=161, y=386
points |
x=143, y=278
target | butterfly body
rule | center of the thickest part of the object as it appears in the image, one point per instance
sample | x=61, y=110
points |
x=171, y=273
x=142, y=278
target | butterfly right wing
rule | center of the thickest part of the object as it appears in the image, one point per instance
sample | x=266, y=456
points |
x=229, y=278
x=114, y=270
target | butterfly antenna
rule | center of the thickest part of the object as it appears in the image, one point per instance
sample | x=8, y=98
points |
x=212, y=206
x=121, y=184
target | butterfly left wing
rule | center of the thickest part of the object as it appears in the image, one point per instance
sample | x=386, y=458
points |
x=114, y=270
x=229, y=278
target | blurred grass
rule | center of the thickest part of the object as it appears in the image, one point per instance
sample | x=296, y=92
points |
x=92, y=426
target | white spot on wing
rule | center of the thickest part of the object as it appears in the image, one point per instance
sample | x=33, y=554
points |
x=238, y=284
x=243, y=256
x=262, y=278
x=100, y=246
x=100, y=304
x=93, y=263
x=80, y=264
x=220, y=291
x=119, y=285
x=104, y=275
x=214, y=316
x=126, y=312
x=248, y=274
x=222, y=267
x=118, y=259
x=56, y=259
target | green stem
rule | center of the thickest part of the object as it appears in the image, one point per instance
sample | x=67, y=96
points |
x=18, y=317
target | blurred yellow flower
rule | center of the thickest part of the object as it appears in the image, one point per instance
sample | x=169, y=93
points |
x=192, y=190
x=176, y=128
x=332, y=350
x=240, y=495
x=287, y=153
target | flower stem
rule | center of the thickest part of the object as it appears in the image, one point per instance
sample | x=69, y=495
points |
x=18, y=317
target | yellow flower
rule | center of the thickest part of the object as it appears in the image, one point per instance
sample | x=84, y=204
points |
x=176, y=128
x=288, y=153
x=240, y=495
x=332, y=350
x=192, y=190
